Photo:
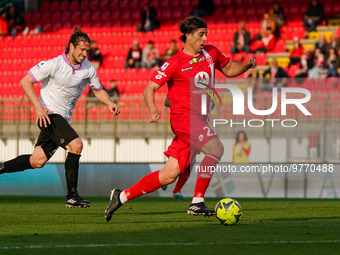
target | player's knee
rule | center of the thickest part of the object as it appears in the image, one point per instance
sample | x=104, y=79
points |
x=38, y=163
x=216, y=149
x=76, y=147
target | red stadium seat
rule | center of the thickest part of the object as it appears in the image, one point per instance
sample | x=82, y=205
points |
x=125, y=15
x=166, y=14
x=47, y=27
x=94, y=5
x=56, y=17
x=28, y=17
x=186, y=3
x=115, y=14
x=114, y=5
x=164, y=3
x=86, y=16
x=177, y=14
x=124, y=4
x=261, y=58
x=74, y=6
x=294, y=9
x=106, y=15
x=155, y=3
x=46, y=17
x=251, y=10
x=36, y=17
x=328, y=8
x=45, y=6
x=229, y=11
x=135, y=14
x=66, y=16
x=261, y=9
x=64, y=6
x=96, y=16
x=240, y=10
x=84, y=5
x=75, y=16
x=54, y=6
x=104, y=5
x=176, y=3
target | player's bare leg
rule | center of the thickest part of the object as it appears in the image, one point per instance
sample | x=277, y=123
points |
x=147, y=184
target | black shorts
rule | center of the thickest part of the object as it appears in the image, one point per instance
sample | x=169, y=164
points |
x=58, y=133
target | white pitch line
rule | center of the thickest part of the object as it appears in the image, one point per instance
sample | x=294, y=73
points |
x=160, y=244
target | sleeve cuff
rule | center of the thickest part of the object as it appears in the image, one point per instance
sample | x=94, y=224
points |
x=32, y=76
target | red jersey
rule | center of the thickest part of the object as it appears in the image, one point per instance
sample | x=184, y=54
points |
x=184, y=73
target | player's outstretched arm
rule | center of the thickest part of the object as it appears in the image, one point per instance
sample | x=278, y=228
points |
x=40, y=111
x=149, y=98
x=103, y=97
x=233, y=69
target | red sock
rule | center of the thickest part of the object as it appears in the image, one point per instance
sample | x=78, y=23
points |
x=147, y=184
x=204, y=177
x=182, y=179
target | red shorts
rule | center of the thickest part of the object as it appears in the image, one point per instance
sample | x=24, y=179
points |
x=192, y=133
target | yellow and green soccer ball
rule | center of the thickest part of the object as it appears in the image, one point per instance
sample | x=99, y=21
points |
x=228, y=211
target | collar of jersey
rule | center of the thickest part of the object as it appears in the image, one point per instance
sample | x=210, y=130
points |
x=68, y=62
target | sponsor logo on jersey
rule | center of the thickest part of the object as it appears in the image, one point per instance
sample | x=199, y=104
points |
x=188, y=68
x=158, y=76
x=40, y=64
x=201, y=80
x=161, y=73
x=164, y=66
x=196, y=60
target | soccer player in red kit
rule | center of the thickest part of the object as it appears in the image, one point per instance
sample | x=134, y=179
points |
x=195, y=62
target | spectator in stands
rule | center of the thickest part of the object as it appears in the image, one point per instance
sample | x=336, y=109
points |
x=150, y=56
x=278, y=77
x=318, y=69
x=267, y=23
x=313, y=16
x=278, y=14
x=241, y=40
x=268, y=42
x=321, y=44
x=338, y=64
x=134, y=57
x=306, y=63
x=95, y=56
x=204, y=8
x=16, y=22
x=149, y=21
x=241, y=149
x=330, y=63
x=113, y=91
x=297, y=51
x=333, y=44
x=3, y=24
x=171, y=51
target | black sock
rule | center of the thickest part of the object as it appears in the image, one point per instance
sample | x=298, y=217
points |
x=71, y=173
x=17, y=164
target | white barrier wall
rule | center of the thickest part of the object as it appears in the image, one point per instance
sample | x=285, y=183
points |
x=141, y=151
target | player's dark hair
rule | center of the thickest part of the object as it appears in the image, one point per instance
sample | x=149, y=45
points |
x=77, y=36
x=238, y=134
x=190, y=25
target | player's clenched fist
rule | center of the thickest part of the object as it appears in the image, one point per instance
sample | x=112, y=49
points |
x=154, y=117
x=251, y=63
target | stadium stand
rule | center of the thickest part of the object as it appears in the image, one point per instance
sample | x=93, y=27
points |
x=114, y=29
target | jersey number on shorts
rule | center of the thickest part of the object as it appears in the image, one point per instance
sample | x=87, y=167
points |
x=210, y=132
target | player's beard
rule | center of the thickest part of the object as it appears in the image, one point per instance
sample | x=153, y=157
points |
x=77, y=60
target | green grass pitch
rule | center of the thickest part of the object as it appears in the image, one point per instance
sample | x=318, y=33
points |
x=149, y=225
